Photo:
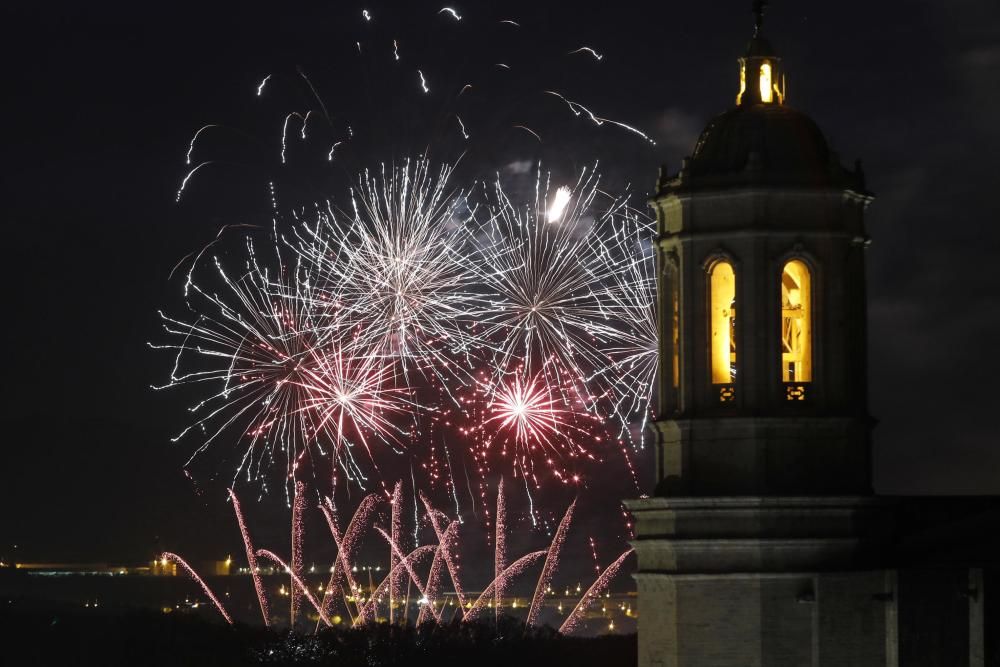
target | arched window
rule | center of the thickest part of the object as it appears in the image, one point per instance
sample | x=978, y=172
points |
x=796, y=322
x=722, y=308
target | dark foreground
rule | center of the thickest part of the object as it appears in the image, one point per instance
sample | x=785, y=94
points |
x=146, y=638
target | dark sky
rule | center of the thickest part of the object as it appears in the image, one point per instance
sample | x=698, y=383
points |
x=99, y=103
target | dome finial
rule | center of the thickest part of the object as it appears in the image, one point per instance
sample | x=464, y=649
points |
x=758, y=15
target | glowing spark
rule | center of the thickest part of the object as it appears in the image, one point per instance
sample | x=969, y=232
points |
x=194, y=139
x=364, y=13
x=260, y=88
x=395, y=49
x=423, y=82
x=451, y=11
x=559, y=204
x=509, y=22
x=529, y=131
x=578, y=108
x=329, y=156
x=587, y=49
x=284, y=131
x=187, y=178
x=461, y=126
x=503, y=66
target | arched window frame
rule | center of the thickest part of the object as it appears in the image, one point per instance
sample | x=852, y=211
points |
x=671, y=329
x=799, y=392
x=724, y=394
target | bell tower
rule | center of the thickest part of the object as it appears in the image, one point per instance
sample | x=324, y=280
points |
x=761, y=545
x=761, y=236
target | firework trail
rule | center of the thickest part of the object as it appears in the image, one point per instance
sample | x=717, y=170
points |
x=500, y=548
x=549, y=568
x=396, y=531
x=514, y=569
x=592, y=594
x=445, y=546
x=298, y=508
x=435, y=577
x=401, y=559
x=579, y=109
x=251, y=560
x=194, y=575
x=367, y=612
x=346, y=546
x=296, y=581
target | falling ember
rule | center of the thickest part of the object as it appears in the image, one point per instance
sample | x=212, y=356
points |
x=587, y=49
x=260, y=88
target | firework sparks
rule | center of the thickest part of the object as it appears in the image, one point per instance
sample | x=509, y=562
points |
x=296, y=581
x=251, y=560
x=513, y=570
x=587, y=49
x=579, y=109
x=549, y=568
x=592, y=594
x=260, y=87
x=451, y=12
x=167, y=556
x=298, y=508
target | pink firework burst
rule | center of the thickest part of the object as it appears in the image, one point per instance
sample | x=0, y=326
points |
x=529, y=421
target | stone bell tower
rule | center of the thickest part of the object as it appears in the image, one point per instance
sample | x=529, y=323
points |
x=759, y=547
x=762, y=379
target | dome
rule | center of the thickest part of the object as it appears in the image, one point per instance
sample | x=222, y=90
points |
x=764, y=141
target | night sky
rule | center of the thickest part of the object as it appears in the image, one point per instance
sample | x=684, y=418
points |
x=99, y=103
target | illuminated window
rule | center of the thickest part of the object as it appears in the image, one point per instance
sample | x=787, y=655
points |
x=796, y=322
x=722, y=301
x=766, y=93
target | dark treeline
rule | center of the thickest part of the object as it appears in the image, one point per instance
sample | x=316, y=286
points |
x=145, y=638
